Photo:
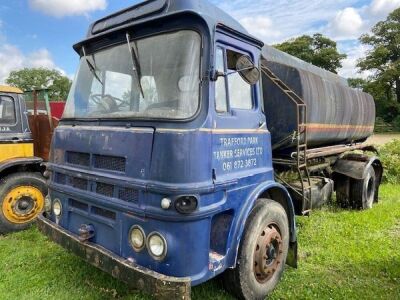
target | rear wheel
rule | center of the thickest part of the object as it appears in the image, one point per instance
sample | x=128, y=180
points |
x=21, y=200
x=362, y=192
x=342, y=184
x=262, y=252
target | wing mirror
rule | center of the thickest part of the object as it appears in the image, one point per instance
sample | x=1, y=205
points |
x=246, y=69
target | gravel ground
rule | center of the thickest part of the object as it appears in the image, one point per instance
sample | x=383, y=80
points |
x=381, y=139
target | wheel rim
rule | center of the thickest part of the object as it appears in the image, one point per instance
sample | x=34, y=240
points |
x=268, y=253
x=23, y=204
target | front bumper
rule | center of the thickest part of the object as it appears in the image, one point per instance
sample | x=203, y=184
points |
x=137, y=277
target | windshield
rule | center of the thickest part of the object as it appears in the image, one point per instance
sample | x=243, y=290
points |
x=163, y=81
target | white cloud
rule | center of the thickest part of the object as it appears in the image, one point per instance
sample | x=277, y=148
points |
x=261, y=27
x=383, y=7
x=287, y=19
x=354, y=53
x=61, y=8
x=347, y=24
x=11, y=59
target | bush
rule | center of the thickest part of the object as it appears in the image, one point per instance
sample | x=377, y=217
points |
x=381, y=126
x=390, y=156
x=396, y=123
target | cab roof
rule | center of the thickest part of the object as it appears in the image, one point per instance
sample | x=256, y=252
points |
x=10, y=89
x=155, y=9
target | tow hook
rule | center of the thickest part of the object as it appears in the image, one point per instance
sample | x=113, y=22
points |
x=86, y=232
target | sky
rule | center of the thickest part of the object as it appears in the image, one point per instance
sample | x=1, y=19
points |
x=40, y=33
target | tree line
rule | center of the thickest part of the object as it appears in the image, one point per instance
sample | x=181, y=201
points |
x=382, y=62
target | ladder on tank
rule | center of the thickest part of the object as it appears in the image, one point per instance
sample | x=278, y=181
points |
x=300, y=135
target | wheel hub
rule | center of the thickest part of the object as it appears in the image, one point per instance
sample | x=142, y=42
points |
x=22, y=204
x=268, y=253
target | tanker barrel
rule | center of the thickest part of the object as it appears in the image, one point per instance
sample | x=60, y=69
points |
x=336, y=113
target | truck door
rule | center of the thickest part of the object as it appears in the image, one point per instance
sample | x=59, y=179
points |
x=240, y=136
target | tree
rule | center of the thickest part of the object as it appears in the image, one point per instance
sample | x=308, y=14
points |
x=317, y=49
x=384, y=57
x=386, y=107
x=39, y=78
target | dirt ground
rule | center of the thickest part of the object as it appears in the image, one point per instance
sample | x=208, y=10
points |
x=381, y=139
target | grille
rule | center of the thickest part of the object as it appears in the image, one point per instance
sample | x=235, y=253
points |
x=112, y=163
x=104, y=213
x=129, y=195
x=78, y=158
x=78, y=205
x=78, y=183
x=105, y=189
x=61, y=178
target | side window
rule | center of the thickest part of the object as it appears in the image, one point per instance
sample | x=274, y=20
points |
x=239, y=90
x=220, y=86
x=7, y=111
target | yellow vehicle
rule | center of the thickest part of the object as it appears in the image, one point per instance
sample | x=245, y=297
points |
x=22, y=152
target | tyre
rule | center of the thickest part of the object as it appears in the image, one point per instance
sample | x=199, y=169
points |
x=21, y=200
x=342, y=184
x=362, y=192
x=262, y=253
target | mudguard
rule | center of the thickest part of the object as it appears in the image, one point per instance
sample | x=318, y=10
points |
x=356, y=167
x=4, y=165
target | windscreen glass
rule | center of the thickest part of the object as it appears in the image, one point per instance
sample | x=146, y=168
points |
x=154, y=77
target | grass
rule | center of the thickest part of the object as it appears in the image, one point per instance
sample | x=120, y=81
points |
x=343, y=255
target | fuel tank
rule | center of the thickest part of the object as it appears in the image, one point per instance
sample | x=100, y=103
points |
x=336, y=113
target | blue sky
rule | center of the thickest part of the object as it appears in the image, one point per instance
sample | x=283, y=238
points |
x=40, y=33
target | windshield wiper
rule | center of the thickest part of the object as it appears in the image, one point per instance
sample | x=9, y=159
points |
x=90, y=65
x=135, y=63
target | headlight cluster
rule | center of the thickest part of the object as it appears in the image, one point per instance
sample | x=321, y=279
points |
x=155, y=242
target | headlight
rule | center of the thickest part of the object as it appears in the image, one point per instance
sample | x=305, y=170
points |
x=157, y=246
x=57, y=207
x=137, y=238
x=47, y=204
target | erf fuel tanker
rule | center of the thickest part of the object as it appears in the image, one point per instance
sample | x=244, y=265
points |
x=162, y=170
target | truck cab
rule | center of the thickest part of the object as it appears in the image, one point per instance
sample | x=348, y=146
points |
x=161, y=167
x=22, y=186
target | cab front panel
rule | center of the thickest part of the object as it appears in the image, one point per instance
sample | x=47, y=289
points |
x=127, y=188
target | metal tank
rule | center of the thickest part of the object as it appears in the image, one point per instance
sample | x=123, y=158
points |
x=336, y=113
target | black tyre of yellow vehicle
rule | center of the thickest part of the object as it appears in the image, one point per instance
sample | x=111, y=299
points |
x=21, y=200
x=262, y=253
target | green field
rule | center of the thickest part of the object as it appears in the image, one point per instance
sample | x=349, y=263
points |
x=343, y=255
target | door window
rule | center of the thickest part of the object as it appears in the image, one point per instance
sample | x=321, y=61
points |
x=239, y=90
x=231, y=87
x=7, y=111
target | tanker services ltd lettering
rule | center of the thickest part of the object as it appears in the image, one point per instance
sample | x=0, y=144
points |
x=238, y=153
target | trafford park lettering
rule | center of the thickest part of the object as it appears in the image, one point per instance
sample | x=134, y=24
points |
x=238, y=153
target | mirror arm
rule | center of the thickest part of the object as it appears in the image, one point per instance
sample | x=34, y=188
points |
x=216, y=74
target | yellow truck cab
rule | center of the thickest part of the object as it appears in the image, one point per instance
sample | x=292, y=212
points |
x=22, y=184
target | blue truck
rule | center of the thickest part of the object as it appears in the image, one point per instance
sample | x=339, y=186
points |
x=187, y=147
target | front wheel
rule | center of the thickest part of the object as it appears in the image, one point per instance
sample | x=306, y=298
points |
x=262, y=252
x=21, y=200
